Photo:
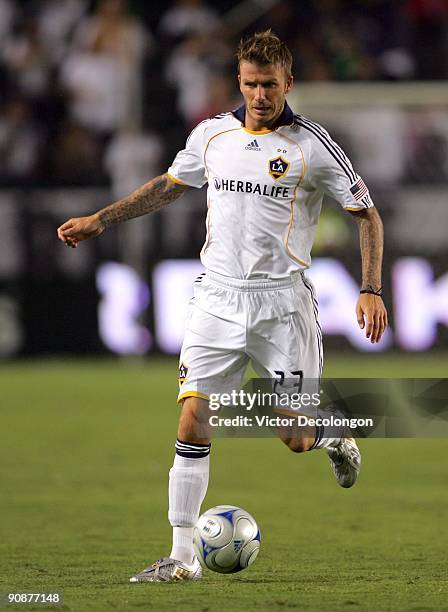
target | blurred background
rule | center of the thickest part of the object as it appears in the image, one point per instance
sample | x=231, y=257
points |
x=97, y=97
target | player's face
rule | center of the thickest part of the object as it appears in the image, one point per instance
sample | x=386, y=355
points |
x=264, y=89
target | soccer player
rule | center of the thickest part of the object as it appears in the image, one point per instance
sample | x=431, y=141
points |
x=267, y=171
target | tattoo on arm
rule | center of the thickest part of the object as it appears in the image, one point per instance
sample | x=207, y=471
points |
x=371, y=242
x=148, y=198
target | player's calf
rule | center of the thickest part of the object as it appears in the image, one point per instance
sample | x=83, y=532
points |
x=298, y=438
x=298, y=445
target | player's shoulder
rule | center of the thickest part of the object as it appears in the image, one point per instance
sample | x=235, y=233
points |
x=316, y=141
x=303, y=128
x=214, y=125
x=321, y=149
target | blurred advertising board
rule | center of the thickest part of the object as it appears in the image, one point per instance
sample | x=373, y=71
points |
x=116, y=295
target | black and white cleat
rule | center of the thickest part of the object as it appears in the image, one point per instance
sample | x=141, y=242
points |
x=169, y=570
x=345, y=462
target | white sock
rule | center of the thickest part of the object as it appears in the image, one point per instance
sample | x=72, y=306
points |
x=187, y=489
x=182, y=549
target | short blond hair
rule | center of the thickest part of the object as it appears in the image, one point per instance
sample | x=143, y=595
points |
x=265, y=48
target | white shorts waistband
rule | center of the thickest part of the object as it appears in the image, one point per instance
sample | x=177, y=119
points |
x=253, y=284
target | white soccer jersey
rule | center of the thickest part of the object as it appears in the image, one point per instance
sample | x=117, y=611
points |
x=265, y=191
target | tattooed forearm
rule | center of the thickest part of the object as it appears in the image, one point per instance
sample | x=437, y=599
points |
x=150, y=197
x=371, y=242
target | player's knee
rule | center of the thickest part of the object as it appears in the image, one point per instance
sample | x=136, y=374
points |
x=193, y=408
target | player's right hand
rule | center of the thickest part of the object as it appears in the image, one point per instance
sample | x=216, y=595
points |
x=73, y=231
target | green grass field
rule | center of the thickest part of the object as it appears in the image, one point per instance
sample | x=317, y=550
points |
x=84, y=457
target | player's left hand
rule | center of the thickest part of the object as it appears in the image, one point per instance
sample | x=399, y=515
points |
x=371, y=314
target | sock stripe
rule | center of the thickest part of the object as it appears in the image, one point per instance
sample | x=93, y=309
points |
x=319, y=436
x=192, y=450
x=192, y=446
x=185, y=447
x=190, y=455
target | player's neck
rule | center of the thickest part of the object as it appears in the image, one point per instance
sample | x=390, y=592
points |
x=260, y=126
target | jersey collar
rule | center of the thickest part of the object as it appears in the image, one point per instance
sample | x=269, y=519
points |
x=286, y=117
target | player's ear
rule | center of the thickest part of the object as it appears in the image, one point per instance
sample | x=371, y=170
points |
x=289, y=83
x=239, y=80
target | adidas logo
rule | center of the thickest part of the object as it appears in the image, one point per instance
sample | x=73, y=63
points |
x=237, y=545
x=253, y=146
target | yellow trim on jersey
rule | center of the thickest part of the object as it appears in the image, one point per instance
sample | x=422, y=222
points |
x=192, y=394
x=207, y=238
x=257, y=132
x=216, y=136
x=353, y=209
x=207, y=224
x=291, y=219
x=175, y=180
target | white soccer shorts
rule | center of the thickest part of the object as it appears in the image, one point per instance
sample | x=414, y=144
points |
x=229, y=322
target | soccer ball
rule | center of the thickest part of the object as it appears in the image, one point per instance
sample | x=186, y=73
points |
x=226, y=539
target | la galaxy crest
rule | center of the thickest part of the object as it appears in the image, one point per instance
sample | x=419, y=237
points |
x=183, y=373
x=278, y=167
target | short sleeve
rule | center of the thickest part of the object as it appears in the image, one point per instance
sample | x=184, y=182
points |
x=331, y=171
x=188, y=166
